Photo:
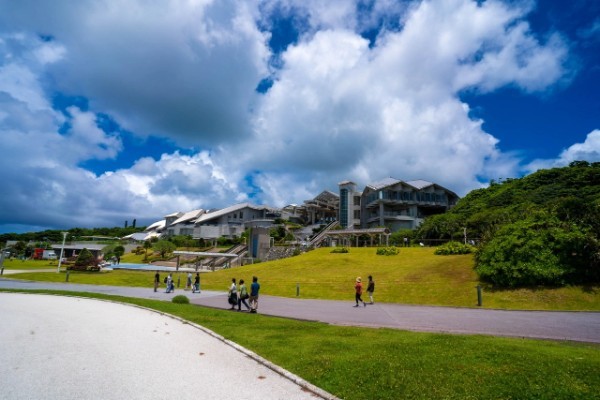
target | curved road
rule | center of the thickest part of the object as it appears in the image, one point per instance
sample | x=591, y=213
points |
x=556, y=325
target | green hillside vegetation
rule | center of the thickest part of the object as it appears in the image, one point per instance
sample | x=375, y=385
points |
x=542, y=229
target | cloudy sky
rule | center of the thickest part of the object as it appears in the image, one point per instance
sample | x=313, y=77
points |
x=112, y=110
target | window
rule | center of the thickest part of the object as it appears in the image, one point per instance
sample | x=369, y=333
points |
x=344, y=207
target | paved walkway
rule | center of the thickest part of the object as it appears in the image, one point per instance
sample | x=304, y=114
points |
x=56, y=347
x=574, y=326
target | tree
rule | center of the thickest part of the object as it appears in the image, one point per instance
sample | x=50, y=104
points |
x=441, y=226
x=119, y=250
x=539, y=250
x=147, y=246
x=164, y=247
x=20, y=247
x=397, y=238
x=84, y=260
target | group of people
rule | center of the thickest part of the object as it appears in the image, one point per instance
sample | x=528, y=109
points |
x=170, y=284
x=238, y=294
x=196, y=286
x=358, y=288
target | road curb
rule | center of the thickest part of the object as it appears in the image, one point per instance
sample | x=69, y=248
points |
x=305, y=385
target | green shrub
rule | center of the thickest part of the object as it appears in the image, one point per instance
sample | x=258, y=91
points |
x=340, y=250
x=538, y=250
x=388, y=251
x=85, y=258
x=180, y=299
x=453, y=248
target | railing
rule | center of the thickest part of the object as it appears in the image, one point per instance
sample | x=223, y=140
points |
x=315, y=241
x=219, y=262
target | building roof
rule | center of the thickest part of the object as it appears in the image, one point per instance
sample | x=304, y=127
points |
x=419, y=183
x=383, y=183
x=325, y=196
x=224, y=211
x=157, y=226
x=188, y=216
x=142, y=236
x=80, y=246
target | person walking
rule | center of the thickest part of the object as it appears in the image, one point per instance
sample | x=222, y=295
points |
x=233, y=294
x=254, y=288
x=156, y=281
x=358, y=288
x=170, y=286
x=371, y=288
x=243, y=296
x=196, y=287
x=188, y=283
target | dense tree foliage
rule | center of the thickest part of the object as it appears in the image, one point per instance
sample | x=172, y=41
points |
x=542, y=229
x=164, y=247
x=79, y=234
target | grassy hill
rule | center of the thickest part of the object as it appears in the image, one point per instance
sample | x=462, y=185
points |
x=415, y=276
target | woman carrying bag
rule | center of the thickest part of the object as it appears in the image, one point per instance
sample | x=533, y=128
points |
x=233, y=300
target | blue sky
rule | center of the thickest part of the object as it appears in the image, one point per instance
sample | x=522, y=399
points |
x=115, y=110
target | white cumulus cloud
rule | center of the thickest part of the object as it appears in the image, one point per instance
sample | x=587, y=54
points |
x=341, y=106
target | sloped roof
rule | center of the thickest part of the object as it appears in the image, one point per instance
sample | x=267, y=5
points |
x=188, y=216
x=141, y=236
x=224, y=211
x=383, y=183
x=328, y=193
x=419, y=183
x=175, y=214
x=157, y=226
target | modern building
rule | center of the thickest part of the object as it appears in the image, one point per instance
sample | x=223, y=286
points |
x=322, y=209
x=349, y=205
x=397, y=204
x=234, y=220
x=184, y=224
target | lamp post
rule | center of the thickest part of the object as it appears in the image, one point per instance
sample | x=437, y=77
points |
x=62, y=249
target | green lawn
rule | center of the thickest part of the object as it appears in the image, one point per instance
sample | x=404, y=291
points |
x=364, y=363
x=29, y=264
x=415, y=276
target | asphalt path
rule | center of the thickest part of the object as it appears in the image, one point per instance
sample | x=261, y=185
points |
x=56, y=347
x=555, y=325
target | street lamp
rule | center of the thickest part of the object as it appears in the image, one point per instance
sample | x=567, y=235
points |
x=62, y=249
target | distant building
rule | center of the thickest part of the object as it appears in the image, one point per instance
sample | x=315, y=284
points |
x=396, y=204
x=389, y=203
x=320, y=210
x=184, y=224
x=234, y=220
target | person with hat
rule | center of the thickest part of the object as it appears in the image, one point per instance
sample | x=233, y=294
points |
x=358, y=289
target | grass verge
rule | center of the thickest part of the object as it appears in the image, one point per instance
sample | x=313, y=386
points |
x=362, y=363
